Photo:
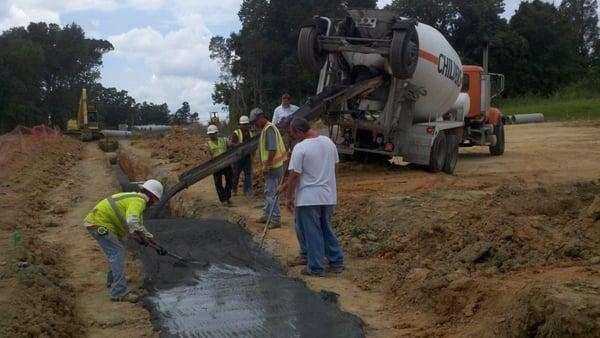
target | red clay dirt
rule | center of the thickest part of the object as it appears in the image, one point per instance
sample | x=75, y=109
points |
x=61, y=291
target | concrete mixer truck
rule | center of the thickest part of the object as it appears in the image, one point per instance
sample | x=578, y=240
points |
x=427, y=104
x=388, y=86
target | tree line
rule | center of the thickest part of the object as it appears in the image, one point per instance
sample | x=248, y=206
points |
x=540, y=49
x=43, y=68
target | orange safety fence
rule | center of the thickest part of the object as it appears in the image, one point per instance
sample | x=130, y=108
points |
x=23, y=140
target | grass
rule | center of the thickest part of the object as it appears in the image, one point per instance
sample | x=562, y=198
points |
x=555, y=108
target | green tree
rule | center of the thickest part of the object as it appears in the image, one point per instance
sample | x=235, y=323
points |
x=552, y=55
x=439, y=14
x=475, y=25
x=116, y=107
x=43, y=68
x=150, y=113
x=182, y=115
x=583, y=17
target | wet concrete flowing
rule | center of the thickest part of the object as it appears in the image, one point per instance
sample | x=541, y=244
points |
x=230, y=289
x=237, y=294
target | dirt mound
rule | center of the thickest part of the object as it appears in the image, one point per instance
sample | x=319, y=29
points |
x=39, y=302
x=436, y=241
x=561, y=310
x=181, y=147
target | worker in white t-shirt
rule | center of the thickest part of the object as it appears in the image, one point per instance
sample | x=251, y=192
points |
x=311, y=189
x=284, y=110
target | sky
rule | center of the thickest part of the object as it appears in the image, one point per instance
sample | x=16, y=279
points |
x=161, y=46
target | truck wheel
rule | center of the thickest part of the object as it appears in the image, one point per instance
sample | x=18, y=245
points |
x=437, y=156
x=404, y=53
x=308, y=50
x=498, y=149
x=451, y=154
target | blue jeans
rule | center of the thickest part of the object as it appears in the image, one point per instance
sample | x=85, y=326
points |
x=114, y=248
x=300, y=235
x=244, y=165
x=316, y=231
x=271, y=183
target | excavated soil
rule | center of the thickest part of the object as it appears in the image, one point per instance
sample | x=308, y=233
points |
x=52, y=273
x=35, y=298
x=180, y=147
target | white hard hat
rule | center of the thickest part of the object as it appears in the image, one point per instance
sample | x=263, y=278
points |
x=244, y=119
x=212, y=129
x=254, y=113
x=154, y=187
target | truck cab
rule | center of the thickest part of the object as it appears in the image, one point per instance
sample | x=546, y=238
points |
x=484, y=124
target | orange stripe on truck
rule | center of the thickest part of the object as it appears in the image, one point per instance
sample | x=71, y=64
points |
x=428, y=56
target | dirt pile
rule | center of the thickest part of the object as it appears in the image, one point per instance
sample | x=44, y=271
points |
x=436, y=242
x=508, y=230
x=39, y=302
x=560, y=310
x=181, y=147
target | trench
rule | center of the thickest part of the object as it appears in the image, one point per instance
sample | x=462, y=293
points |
x=231, y=289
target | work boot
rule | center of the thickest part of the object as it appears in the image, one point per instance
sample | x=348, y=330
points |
x=229, y=203
x=274, y=225
x=298, y=260
x=130, y=297
x=306, y=273
x=262, y=219
x=334, y=270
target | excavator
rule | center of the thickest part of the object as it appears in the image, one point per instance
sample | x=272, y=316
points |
x=86, y=123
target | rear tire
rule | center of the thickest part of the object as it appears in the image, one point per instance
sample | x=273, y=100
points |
x=404, y=53
x=308, y=50
x=498, y=149
x=451, y=154
x=437, y=156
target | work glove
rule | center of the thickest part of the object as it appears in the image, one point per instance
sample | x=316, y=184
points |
x=141, y=240
x=161, y=251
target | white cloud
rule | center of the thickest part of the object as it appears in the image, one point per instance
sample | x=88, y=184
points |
x=213, y=12
x=13, y=15
x=178, y=60
x=146, y=4
x=22, y=12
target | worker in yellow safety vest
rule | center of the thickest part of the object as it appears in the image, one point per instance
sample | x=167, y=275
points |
x=216, y=146
x=272, y=156
x=109, y=223
x=242, y=135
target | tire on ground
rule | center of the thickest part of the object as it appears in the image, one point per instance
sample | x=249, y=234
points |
x=498, y=149
x=451, y=154
x=308, y=54
x=404, y=53
x=437, y=155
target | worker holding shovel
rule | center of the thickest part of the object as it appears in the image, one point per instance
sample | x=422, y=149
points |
x=272, y=157
x=109, y=223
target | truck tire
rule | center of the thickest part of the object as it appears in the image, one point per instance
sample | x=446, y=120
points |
x=451, y=154
x=308, y=50
x=437, y=156
x=498, y=149
x=404, y=53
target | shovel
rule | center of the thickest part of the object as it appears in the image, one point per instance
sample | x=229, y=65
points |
x=181, y=261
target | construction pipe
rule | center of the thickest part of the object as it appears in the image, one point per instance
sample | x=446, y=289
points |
x=116, y=133
x=527, y=118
